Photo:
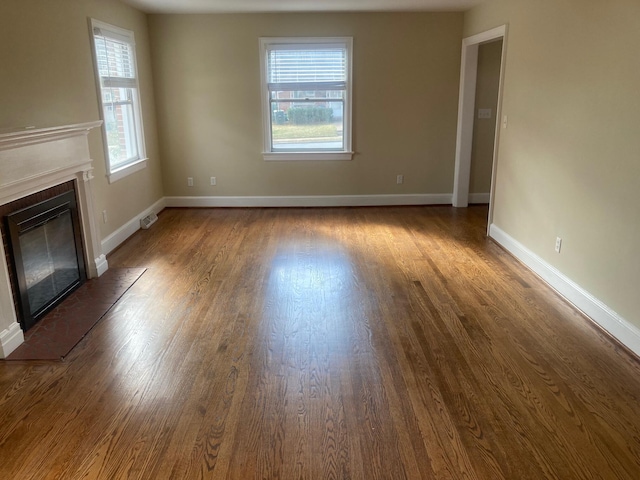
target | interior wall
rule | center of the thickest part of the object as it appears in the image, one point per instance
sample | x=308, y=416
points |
x=48, y=80
x=568, y=160
x=487, y=87
x=405, y=71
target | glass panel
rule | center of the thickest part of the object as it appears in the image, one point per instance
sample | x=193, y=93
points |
x=120, y=125
x=49, y=260
x=302, y=125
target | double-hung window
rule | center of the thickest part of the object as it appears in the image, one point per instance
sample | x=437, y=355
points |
x=306, y=91
x=115, y=62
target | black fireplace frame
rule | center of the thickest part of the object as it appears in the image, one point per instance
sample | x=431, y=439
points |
x=31, y=217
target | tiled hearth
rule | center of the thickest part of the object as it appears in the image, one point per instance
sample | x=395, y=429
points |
x=53, y=337
x=32, y=160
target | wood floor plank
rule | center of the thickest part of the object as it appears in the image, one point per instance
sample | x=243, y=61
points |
x=337, y=343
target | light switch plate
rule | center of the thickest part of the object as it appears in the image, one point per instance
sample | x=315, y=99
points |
x=484, y=113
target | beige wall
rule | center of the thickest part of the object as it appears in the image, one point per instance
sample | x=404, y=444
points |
x=406, y=75
x=48, y=79
x=569, y=161
x=484, y=129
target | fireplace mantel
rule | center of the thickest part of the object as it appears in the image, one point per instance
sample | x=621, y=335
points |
x=32, y=160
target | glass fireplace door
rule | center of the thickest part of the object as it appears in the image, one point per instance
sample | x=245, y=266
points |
x=50, y=261
x=47, y=255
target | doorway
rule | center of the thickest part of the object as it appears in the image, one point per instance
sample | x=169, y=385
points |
x=467, y=114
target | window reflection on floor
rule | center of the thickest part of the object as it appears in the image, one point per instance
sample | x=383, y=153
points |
x=309, y=294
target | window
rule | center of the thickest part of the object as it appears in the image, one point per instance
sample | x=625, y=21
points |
x=306, y=91
x=116, y=74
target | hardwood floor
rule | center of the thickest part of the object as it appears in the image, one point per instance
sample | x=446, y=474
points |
x=371, y=343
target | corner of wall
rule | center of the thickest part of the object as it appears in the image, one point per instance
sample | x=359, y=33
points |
x=111, y=242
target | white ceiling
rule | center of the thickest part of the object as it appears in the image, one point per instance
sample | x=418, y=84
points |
x=246, y=6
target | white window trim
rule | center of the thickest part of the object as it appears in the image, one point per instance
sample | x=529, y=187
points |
x=268, y=154
x=126, y=170
x=117, y=173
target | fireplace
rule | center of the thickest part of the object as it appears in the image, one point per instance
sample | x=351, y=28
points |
x=47, y=255
x=32, y=162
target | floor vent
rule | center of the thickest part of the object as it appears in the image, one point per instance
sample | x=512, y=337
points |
x=149, y=220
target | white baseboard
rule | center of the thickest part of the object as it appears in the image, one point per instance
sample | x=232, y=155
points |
x=112, y=241
x=101, y=264
x=311, y=201
x=132, y=226
x=479, y=197
x=10, y=339
x=627, y=333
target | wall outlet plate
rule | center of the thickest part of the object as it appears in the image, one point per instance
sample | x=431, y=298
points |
x=558, y=244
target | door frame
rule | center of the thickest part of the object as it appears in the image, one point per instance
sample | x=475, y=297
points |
x=466, y=114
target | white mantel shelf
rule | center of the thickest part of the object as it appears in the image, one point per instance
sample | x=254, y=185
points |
x=32, y=160
x=28, y=135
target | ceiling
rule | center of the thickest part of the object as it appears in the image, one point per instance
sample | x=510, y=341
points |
x=247, y=6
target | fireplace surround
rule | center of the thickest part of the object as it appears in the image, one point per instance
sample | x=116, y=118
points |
x=33, y=160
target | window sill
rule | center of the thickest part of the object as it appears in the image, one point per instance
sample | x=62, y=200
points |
x=127, y=170
x=297, y=156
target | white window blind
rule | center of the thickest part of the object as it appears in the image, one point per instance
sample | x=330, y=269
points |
x=311, y=68
x=115, y=61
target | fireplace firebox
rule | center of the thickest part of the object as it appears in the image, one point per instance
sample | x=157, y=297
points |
x=48, y=260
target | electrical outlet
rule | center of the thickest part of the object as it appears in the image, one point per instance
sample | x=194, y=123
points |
x=189, y=181
x=104, y=216
x=400, y=179
x=558, y=244
x=505, y=122
x=213, y=180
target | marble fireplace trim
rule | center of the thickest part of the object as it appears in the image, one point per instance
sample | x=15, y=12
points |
x=32, y=160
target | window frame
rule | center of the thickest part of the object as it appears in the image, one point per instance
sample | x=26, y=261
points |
x=268, y=153
x=139, y=162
